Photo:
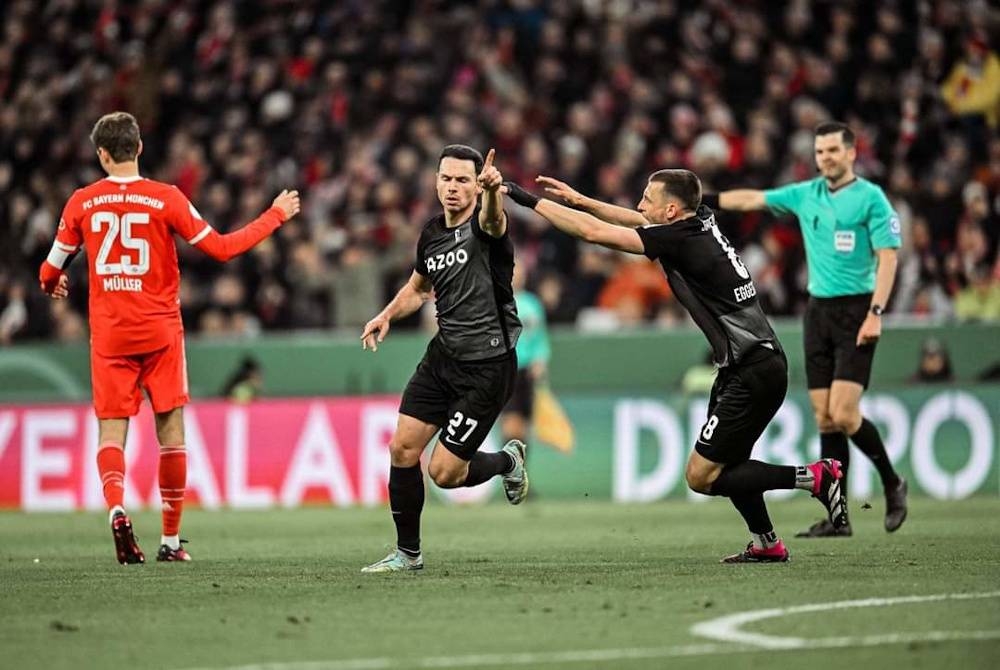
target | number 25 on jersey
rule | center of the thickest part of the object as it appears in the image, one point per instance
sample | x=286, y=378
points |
x=121, y=229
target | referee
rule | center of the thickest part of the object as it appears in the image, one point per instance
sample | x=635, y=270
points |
x=851, y=234
x=533, y=353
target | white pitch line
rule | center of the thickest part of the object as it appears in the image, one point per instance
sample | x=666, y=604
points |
x=525, y=658
x=728, y=628
x=617, y=655
x=725, y=630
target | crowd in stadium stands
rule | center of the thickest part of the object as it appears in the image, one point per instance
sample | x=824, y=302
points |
x=352, y=101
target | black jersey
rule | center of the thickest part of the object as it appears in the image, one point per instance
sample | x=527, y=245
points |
x=471, y=272
x=711, y=281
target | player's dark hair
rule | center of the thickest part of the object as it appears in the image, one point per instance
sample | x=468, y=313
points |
x=681, y=184
x=831, y=127
x=462, y=153
x=118, y=134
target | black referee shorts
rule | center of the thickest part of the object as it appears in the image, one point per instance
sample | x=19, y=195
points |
x=522, y=400
x=830, y=333
x=463, y=398
x=744, y=399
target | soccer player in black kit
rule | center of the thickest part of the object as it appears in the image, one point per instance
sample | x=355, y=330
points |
x=710, y=280
x=465, y=260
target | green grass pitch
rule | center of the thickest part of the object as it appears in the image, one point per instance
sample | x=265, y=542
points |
x=548, y=585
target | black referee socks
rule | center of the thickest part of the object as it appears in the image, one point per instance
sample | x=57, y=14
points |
x=870, y=442
x=834, y=445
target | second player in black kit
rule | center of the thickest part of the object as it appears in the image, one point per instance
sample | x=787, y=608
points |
x=465, y=260
x=709, y=279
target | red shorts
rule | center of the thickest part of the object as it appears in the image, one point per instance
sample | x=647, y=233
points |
x=118, y=381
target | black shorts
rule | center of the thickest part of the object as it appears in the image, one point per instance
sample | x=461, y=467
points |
x=522, y=400
x=744, y=400
x=463, y=398
x=830, y=335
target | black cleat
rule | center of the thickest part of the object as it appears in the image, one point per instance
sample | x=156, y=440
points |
x=824, y=528
x=895, y=506
x=126, y=548
x=168, y=555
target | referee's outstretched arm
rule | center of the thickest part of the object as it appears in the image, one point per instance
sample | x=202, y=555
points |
x=740, y=200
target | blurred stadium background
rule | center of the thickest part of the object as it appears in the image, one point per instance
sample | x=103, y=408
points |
x=351, y=102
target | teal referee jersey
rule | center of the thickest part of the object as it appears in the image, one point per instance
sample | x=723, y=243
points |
x=842, y=229
x=533, y=345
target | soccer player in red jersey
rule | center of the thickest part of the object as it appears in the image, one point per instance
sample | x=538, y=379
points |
x=126, y=224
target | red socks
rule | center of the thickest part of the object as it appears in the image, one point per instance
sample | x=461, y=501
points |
x=111, y=467
x=173, y=478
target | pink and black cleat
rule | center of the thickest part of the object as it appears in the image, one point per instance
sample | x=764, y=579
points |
x=827, y=479
x=126, y=548
x=773, y=554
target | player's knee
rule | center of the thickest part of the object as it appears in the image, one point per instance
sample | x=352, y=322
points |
x=698, y=480
x=403, y=455
x=170, y=427
x=825, y=423
x=170, y=437
x=845, y=419
x=446, y=478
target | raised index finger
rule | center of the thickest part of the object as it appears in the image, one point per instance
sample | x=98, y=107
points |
x=489, y=159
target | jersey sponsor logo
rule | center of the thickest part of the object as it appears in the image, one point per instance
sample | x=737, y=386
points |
x=441, y=261
x=745, y=292
x=62, y=224
x=843, y=240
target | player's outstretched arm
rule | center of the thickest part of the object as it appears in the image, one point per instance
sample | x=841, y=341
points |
x=605, y=211
x=738, y=200
x=225, y=247
x=578, y=224
x=491, y=215
x=415, y=292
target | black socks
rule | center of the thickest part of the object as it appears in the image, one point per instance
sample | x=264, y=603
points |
x=834, y=445
x=754, y=512
x=486, y=465
x=406, y=499
x=870, y=443
x=753, y=478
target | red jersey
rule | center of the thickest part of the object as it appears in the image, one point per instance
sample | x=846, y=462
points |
x=127, y=226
